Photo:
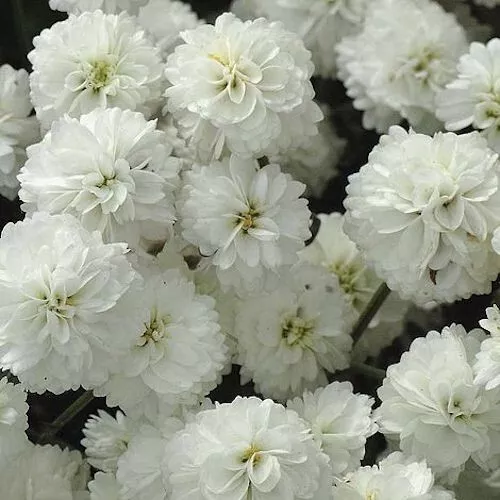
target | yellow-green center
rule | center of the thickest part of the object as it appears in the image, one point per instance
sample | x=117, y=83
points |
x=100, y=75
x=252, y=453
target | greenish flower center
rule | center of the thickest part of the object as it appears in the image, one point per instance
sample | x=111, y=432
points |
x=295, y=329
x=156, y=329
x=100, y=75
x=251, y=454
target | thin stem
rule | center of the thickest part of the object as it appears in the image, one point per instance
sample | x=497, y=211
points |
x=369, y=371
x=67, y=416
x=368, y=314
x=24, y=40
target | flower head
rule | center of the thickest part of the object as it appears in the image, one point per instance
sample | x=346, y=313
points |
x=111, y=169
x=59, y=287
x=423, y=211
x=90, y=61
x=247, y=448
x=487, y=365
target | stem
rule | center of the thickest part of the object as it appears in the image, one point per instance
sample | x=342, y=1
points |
x=374, y=305
x=369, y=371
x=17, y=6
x=67, y=416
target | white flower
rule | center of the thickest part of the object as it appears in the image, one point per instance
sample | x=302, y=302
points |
x=315, y=162
x=487, y=366
x=422, y=211
x=140, y=473
x=165, y=20
x=180, y=147
x=487, y=3
x=13, y=420
x=90, y=61
x=111, y=169
x=430, y=400
x=179, y=351
x=249, y=219
x=332, y=249
x=340, y=422
x=321, y=24
x=43, y=473
x=289, y=338
x=104, y=487
x=394, y=478
x=108, y=6
x=247, y=449
x=405, y=54
x=473, y=98
x=17, y=128
x=107, y=438
x=60, y=290
x=247, y=9
x=234, y=85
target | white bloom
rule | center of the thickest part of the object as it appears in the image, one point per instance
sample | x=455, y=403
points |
x=488, y=3
x=179, y=351
x=406, y=53
x=321, y=24
x=247, y=9
x=289, y=338
x=104, y=487
x=430, y=400
x=108, y=6
x=315, y=162
x=340, y=422
x=473, y=98
x=180, y=147
x=332, y=249
x=247, y=449
x=394, y=478
x=90, y=61
x=235, y=84
x=487, y=366
x=249, y=219
x=422, y=211
x=43, y=473
x=60, y=290
x=13, y=420
x=165, y=20
x=140, y=473
x=111, y=169
x=107, y=438
x=17, y=128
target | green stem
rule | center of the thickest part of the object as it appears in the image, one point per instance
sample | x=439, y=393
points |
x=369, y=371
x=368, y=314
x=67, y=416
x=24, y=39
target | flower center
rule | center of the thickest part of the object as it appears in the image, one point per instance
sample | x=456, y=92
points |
x=423, y=63
x=100, y=74
x=248, y=219
x=295, y=329
x=348, y=277
x=251, y=454
x=155, y=330
x=58, y=305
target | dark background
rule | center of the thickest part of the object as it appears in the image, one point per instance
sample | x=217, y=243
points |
x=21, y=20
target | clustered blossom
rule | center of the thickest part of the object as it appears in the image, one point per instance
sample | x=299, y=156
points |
x=241, y=86
x=487, y=365
x=473, y=98
x=432, y=404
x=17, y=129
x=442, y=192
x=393, y=71
x=111, y=169
x=93, y=61
x=108, y=6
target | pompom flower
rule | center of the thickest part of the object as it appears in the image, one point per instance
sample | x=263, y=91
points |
x=106, y=439
x=234, y=84
x=340, y=422
x=394, y=478
x=487, y=365
x=179, y=351
x=111, y=169
x=249, y=219
x=60, y=290
x=45, y=472
x=104, y=487
x=90, y=61
x=430, y=402
x=290, y=337
x=17, y=129
x=406, y=52
x=107, y=6
x=422, y=212
x=473, y=98
x=165, y=20
x=246, y=449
